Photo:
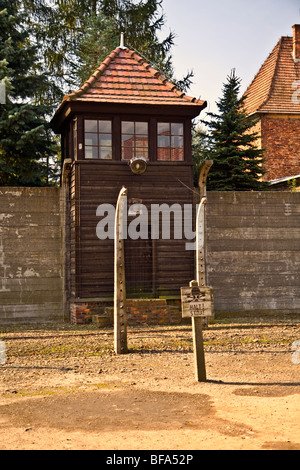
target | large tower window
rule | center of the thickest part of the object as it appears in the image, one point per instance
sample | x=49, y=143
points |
x=98, y=139
x=134, y=140
x=170, y=141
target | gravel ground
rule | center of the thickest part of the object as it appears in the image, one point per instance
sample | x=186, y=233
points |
x=63, y=387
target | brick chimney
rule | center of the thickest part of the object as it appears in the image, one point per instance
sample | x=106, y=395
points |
x=296, y=41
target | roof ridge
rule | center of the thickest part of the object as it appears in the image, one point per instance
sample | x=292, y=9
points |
x=279, y=44
x=97, y=73
x=256, y=76
x=141, y=66
x=157, y=74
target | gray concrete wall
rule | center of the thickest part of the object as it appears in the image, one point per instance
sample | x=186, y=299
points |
x=253, y=252
x=31, y=269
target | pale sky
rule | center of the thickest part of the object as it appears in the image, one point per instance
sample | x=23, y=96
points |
x=215, y=36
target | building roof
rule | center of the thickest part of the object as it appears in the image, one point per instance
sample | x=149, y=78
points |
x=125, y=77
x=273, y=88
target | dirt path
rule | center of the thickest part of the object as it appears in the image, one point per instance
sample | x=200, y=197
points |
x=63, y=388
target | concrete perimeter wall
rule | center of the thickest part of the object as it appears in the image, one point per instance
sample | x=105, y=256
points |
x=31, y=270
x=253, y=253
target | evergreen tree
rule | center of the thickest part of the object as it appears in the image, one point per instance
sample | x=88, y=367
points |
x=237, y=159
x=55, y=26
x=141, y=21
x=75, y=36
x=201, y=150
x=26, y=143
x=93, y=44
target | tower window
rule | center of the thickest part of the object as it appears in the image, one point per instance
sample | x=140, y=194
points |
x=170, y=141
x=98, y=139
x=134, y=140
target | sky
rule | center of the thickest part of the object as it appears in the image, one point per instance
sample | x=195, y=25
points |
x=215, y=36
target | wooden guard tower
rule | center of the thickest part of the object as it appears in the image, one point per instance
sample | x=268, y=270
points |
x=125, y=110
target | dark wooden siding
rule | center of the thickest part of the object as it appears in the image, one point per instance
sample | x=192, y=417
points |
x=92, y=259
x=74, y=224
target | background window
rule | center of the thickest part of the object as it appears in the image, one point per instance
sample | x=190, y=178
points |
x=170, y=142
x=98, y=139
x=134, y=140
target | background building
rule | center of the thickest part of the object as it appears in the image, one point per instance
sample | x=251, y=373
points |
x=274, y=96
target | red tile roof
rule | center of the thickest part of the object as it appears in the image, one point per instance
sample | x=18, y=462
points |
x=125, y=77
x=273, y=87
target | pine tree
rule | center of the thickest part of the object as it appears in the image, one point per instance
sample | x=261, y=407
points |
x=76, y=35
x=141, y=21
x=93, y=45
x=26, y=142
x=237, y=159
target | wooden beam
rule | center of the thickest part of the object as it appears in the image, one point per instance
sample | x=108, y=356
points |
x=120, y=313
x=200, y=369
x=200, y=225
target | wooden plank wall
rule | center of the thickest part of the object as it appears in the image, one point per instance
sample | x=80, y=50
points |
x=91, y=258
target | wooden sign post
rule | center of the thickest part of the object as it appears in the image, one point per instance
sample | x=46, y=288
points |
x=120, y=313
x=197, y=303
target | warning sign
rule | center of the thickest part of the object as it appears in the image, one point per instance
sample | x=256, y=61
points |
x=197, y=301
